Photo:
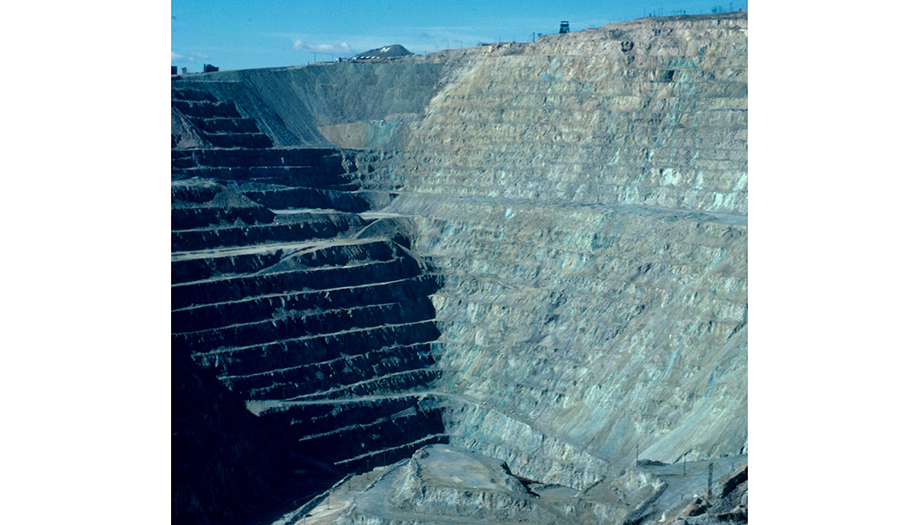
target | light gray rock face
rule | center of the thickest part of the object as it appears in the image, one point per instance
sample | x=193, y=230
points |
x=585, y=199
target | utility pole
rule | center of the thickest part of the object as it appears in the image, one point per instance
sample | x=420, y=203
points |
x=636, y=454
x=709, y=482
x=684, y=464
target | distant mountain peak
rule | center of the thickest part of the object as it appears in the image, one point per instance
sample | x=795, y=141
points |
x=393, y=50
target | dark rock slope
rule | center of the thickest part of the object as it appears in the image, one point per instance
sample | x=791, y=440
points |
x=312, y=314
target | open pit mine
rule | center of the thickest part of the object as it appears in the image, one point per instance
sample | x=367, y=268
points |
x=504, y=284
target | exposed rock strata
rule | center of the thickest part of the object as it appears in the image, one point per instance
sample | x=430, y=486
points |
x=587, y=208
x=540, y=256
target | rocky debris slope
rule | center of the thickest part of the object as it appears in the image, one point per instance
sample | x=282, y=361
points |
x=445, y=484
x=727, y=503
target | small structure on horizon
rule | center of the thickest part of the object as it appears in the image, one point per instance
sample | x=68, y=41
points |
x=209, y=68
x=174, y=70
x=564, y=27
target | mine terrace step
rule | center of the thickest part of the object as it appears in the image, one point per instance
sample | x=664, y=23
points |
x=190, y=270
x=237, y=140
x=371, y=459
x=207, y=109
x=317, y=375
x=190, y=192
x=361, y=313
x=403, y=381
x=285, y=176
x=305, y=363
x=368, y=423
x=233, y=263
x=323, y=347
x=265, y=248
x=327, y=159
x=289, y=198
x=377, y=436
x=302, y=324
x=332, y=413
x=325, y=414
x=352, y=251
x=225, y=124
x=182, y=159
x=266, y=307
x=199, y=217
x=232, y=288
x=192, y=95
x=207, y=238
x=397, y=374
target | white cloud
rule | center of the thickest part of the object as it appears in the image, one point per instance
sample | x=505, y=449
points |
x=335, y=49
x=178, y=58
x=418, y=39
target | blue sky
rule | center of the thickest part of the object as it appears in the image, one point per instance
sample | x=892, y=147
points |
x=234, y=34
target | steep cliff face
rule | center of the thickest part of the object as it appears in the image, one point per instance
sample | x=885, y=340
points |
x=312, y=313
x=585, y=198
x=353, y=105
x=538, y=253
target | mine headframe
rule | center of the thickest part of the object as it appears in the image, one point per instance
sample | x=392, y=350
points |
x=564, y=27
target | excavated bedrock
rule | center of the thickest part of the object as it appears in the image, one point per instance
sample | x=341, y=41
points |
x=499, y=284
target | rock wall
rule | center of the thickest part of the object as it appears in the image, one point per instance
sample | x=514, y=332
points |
x=309, y=310
x=585, y=199
x=352, y=104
